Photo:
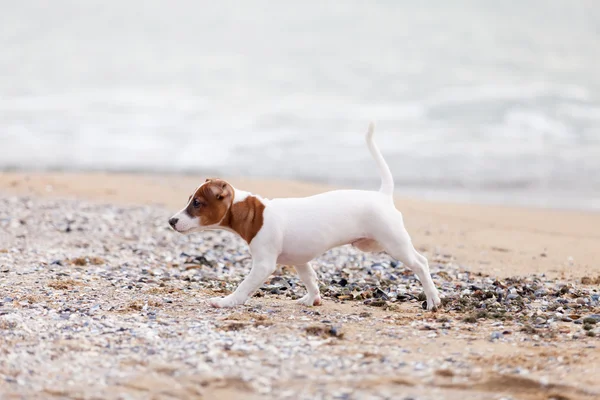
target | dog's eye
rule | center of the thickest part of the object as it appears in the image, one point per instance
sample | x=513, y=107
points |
x=196, y=203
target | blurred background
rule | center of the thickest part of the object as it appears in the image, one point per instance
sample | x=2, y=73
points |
x=486, y=101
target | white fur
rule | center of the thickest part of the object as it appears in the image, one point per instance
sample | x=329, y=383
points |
x=296, y=230
x=240, y=195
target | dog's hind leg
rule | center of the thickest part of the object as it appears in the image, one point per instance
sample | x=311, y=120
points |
x=433, y=298
x=309, y=278
x=397, y=243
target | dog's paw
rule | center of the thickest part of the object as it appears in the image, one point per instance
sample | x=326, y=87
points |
x=433, y=303
x=223, y=302
x=310, y=301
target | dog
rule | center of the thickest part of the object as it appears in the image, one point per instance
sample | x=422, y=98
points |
x=293, y=231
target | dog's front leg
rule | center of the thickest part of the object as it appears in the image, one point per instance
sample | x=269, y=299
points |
x=309, y=277
x=262, y=267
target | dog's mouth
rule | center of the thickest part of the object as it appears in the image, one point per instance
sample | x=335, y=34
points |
x=179, y=230
x=185, y=231
x=182, y=223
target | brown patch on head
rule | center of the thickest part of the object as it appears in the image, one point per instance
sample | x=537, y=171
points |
x=245, y=217
x=211, y=202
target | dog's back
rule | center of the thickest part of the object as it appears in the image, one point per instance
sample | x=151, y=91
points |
x=312, y=225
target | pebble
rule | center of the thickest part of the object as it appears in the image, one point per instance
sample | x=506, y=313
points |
x=595, y=317
x=591, y=319
x=420, y=366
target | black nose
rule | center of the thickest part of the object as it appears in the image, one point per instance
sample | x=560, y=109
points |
x=173, y=222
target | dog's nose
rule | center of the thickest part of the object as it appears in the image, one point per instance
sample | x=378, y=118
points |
x=173, y=222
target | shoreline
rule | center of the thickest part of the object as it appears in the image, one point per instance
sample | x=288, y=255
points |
x=503, y=196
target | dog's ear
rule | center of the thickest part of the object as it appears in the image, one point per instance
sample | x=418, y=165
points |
x=220, y=189
x=223, y=193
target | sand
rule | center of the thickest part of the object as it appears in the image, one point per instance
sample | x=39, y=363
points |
x=499, y=242
x=503, y=241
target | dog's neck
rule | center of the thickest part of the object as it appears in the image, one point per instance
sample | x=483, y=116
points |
x=240, y=195
x=245, y=216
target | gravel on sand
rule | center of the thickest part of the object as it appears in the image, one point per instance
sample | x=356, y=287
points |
x=102, y=301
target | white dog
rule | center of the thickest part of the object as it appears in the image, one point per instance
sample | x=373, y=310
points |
x=296, y=230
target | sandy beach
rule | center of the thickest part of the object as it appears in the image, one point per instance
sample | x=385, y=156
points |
x=487, y=115
x=495, y=240
x=520, y=319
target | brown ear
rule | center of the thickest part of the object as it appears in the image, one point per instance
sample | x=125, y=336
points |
x=223, y=193
x=220, y=189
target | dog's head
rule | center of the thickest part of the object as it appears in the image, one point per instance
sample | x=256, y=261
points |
x=206, y=208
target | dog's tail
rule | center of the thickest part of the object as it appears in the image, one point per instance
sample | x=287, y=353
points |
x=387, y=180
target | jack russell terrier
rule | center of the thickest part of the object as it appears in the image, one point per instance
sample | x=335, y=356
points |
x=293, y=231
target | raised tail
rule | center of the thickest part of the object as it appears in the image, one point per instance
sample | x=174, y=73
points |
x=387, y=180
